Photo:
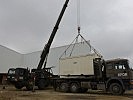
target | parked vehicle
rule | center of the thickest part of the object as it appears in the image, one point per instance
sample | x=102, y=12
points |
x=78, y=74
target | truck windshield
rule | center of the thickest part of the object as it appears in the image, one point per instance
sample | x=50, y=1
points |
x=20, y=71
x=121, y=65
x=131, y=64
x=11, y=71
x=118, y=64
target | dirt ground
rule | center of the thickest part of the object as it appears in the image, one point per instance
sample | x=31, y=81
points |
x=10, y=93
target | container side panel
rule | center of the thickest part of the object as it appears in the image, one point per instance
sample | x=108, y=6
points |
x=81, y=65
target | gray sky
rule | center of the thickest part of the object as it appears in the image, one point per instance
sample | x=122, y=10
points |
x=25, y=25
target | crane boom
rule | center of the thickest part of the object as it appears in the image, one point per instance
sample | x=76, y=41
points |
x=47, y=46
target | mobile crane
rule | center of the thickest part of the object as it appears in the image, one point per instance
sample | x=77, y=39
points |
x=21, y=77
x=82, y=73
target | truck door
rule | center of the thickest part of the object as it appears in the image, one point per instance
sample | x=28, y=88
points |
x=121, y=70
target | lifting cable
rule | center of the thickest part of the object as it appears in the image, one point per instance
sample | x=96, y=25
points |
x=78, y=16
x=78, y=25
x=78, y=19
x=69, y=46
x=79, y=35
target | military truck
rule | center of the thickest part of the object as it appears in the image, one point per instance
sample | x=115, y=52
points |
x=80, y=73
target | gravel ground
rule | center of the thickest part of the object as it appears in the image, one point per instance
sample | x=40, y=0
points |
x=10, y=93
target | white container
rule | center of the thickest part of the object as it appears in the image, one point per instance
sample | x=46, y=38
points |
x=79, y=65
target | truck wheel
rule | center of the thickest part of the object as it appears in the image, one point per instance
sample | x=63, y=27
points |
x=29, y=85
x=74, y=88
x=18, y=86
x=41, y=84
x=116, y=89
x=83, y=90
x=64, y=87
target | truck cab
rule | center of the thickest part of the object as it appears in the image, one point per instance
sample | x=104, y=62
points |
x=20, y=77
x=118, y=68
x=119, y=76
x=17, y=74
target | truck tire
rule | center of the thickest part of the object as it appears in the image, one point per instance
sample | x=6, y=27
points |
x=116, y=89
x=83, y=90
x=64, y=87
x=29, y=85
x=18, y=86
x=74, y=88
x=41, y=84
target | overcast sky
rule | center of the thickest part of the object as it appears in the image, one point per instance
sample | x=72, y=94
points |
x=25, y=25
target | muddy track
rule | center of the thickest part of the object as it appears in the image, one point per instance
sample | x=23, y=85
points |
x=10, y=93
